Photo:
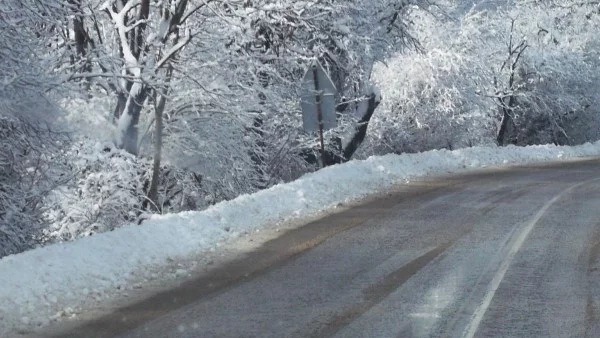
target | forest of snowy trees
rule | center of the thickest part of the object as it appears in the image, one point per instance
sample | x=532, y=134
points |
x=112, y=110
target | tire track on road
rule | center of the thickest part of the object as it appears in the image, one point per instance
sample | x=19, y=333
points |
x=374, y=294
x=515, y=246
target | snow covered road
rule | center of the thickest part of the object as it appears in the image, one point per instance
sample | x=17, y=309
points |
x=507, y=253
x=64, y=280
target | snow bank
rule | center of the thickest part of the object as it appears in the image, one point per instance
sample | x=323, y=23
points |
x=41, y=285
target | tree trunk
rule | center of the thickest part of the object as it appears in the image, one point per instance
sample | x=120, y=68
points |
x=331, y=157
x=361, y=130
x=127, y=132
x=158, y=126
x=501, y=137
x=80, y=38
x=506, y=121
x=256, y=152
x=81, y=42
x=120, y=106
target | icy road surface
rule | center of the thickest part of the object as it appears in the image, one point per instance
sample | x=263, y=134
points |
x=504, y=253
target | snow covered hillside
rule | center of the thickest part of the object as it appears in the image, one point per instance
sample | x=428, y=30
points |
x=61, y=280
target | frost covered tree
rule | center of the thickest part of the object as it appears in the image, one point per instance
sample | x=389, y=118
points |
x=548, y=74
x=257, y=50
x=280, y=39
x=204, y=94
x=130, y=48
x=26, y=140
x=520, y=72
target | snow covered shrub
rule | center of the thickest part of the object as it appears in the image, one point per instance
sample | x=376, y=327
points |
x=26, y=175
x=104, y=193
x=560, y=72
x=108, y=190
x=533, y=65
x=27, y=142
x=430, y=98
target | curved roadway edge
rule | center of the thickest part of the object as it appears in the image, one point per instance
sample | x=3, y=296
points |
x=429, y=259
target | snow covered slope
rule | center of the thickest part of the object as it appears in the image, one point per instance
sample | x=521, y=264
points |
x=48, y=283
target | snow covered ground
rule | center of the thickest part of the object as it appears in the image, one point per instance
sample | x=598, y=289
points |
x=58, y=281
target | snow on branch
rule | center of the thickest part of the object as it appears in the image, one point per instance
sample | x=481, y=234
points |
x=173, y=50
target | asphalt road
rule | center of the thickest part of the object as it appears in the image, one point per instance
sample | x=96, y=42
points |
x=506, y=253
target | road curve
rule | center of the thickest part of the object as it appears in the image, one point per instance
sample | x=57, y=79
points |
x=503, y=253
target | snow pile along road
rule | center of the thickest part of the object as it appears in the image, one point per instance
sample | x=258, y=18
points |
x=48, y=283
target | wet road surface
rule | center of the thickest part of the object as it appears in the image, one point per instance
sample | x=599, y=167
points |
x=505, y=253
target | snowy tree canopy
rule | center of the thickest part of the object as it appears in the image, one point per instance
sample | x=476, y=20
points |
x=533, y=60
x=204, y=95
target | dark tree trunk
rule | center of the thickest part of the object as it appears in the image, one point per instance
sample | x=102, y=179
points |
x=332, y=157
x=80, y=37
x=128, y=122
x=153, y=191
x=256, y=153
x=120, y=106
x=501, y=137
x=506, y=121
x=361, y=130
x=82, y=40
x=159, y=110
